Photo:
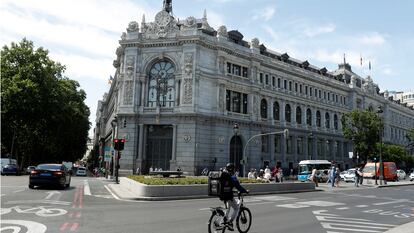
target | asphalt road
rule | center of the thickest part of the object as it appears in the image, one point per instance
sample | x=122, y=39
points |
x=88, y=206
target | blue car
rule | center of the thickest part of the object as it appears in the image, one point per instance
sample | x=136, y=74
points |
x=10, y=169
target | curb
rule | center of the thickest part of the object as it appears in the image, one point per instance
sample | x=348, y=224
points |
x=394, y=185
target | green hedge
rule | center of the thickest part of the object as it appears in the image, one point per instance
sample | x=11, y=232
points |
x=156, y=180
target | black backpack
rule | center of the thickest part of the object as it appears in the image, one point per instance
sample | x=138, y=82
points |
x=220, y=185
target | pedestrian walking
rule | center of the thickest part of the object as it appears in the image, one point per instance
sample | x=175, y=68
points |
x=357, y=177
x=314, y=177
x=337, y=177
x=333, y=176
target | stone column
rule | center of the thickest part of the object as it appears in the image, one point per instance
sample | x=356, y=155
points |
x=305, y=145
x=282, y=112
x=303, y=108
x=143, y=87
x=314, y=118
x=173, y=161
x=315, y=148
x=270, y=111
x=294, y=148
x=272, y=149
x=141, y=142
x=293, y=116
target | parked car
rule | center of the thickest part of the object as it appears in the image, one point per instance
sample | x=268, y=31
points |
x=81, y=171
x=29, y=169
x=342, y=174
x=50, y=174
x=412, y=176
x=350, y=175
x=10, y=169
x=401, y=174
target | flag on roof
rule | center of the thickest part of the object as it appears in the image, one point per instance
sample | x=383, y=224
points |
x=110, y=79
x=369, y=65
x=360, y=60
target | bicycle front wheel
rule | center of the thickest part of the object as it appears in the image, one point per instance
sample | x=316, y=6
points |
x=244, y=220
x=215, y=224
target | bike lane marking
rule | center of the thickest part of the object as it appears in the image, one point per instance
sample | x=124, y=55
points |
x=31, y=226
x=86, y=188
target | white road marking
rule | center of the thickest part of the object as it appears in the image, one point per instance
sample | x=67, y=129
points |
x=391, y=202
x=337, y=222
x=39, y=201
x=86, y=189
x=342, y=208
x=361, y=206
x=51, y=193
x=306, y=204
x=113, y=194
x=32, y=227
x=273, y=198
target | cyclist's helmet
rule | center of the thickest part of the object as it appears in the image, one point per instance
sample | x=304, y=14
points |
x=230, y=167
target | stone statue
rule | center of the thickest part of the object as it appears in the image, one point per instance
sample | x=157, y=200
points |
x=222, y=31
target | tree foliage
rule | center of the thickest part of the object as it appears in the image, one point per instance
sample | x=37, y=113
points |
x=44, y=117
x=363, y=128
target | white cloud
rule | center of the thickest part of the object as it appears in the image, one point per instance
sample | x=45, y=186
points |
x=265, y=14
x=373, y=39
x=314, y=31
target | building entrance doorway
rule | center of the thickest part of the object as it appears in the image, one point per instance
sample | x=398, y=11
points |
x=159, y=147
x=236, y=153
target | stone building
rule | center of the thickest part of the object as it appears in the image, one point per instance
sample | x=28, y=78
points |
x=188, y=96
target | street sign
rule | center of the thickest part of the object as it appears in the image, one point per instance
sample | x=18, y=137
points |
x=351, y=155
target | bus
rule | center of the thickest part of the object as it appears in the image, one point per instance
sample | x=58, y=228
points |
x=306, y=167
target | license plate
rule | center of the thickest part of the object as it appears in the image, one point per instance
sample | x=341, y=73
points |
x=45, y=174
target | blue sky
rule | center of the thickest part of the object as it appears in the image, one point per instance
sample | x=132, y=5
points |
x=84, y=34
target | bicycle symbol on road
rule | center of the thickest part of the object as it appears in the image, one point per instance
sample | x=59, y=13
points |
x=42, y=211
x=17, y=226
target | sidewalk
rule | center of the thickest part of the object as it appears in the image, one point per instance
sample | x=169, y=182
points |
x=367, y=184
x=405, y=228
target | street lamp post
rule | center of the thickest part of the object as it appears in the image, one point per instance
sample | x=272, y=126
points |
x=284, y=132
x=381, y=178
x=114, y=124
x=310, y=145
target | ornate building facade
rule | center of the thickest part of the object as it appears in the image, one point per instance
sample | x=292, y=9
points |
x=181, y=87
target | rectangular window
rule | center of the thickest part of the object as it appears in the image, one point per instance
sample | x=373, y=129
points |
x=277, y=143
x=336, y=98
x=300, y=88
x=310, y=91
x=237, y=70
x=228, y=95
x=236, y=99
x=324, y=95
x=329, y=96
x=273, y=81
x=228, y=67
x=278, y=83
x=296, y=87
x=290, y=85
x=267, y=79
x=265, y=143
x=289, y=145
x=320, y=94
x=244, y=72
x=261, y=78
x=244, y=103
x=299, y=146
x=285, y=84
x=306, y=90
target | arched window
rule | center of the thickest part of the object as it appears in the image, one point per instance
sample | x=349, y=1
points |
x=288, y=113
x=318, y=118
x=276, y=111
x=327, y=121
x=161, y=90
x=298, y=115
x=308, y=117
x=336, y=122
x=263, y=108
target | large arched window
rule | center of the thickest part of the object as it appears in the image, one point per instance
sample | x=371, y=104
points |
x=327, y=121
x=288, y=113
x=276, y=111
x=263, y=108
x=336, y=122
x=161, y=90
x=298, y=115
x=318, y=118
x=308, y=117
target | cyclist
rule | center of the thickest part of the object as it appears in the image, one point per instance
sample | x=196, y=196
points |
x=229, y=181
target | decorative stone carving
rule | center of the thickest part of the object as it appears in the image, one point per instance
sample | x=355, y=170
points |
x=128, y=92
x=255, y=42
x=221, y=139
x=187, y=138
x=222, y=31
x=130, y=62
x=369, y=86
x=190, y=22
x=221, y=98
x=256, y=105
x=116, y=64
x=123, y=36
x=133, y=27
x=188, y=62
x=221, y=65
x=188, y=91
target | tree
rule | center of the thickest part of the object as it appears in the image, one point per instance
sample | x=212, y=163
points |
x=363, y=128
x=44, y=117
x=410, y=138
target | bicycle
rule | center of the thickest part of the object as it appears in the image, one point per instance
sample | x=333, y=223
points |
x=243, y=219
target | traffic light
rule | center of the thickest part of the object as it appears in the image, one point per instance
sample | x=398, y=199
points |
x=116, y=144
x=121, y=143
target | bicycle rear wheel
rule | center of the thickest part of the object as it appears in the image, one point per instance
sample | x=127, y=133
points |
x=244, y=220
x=215, y=223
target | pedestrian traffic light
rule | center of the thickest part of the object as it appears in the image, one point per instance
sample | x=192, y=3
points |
x=121, y=143
x=116, y=144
